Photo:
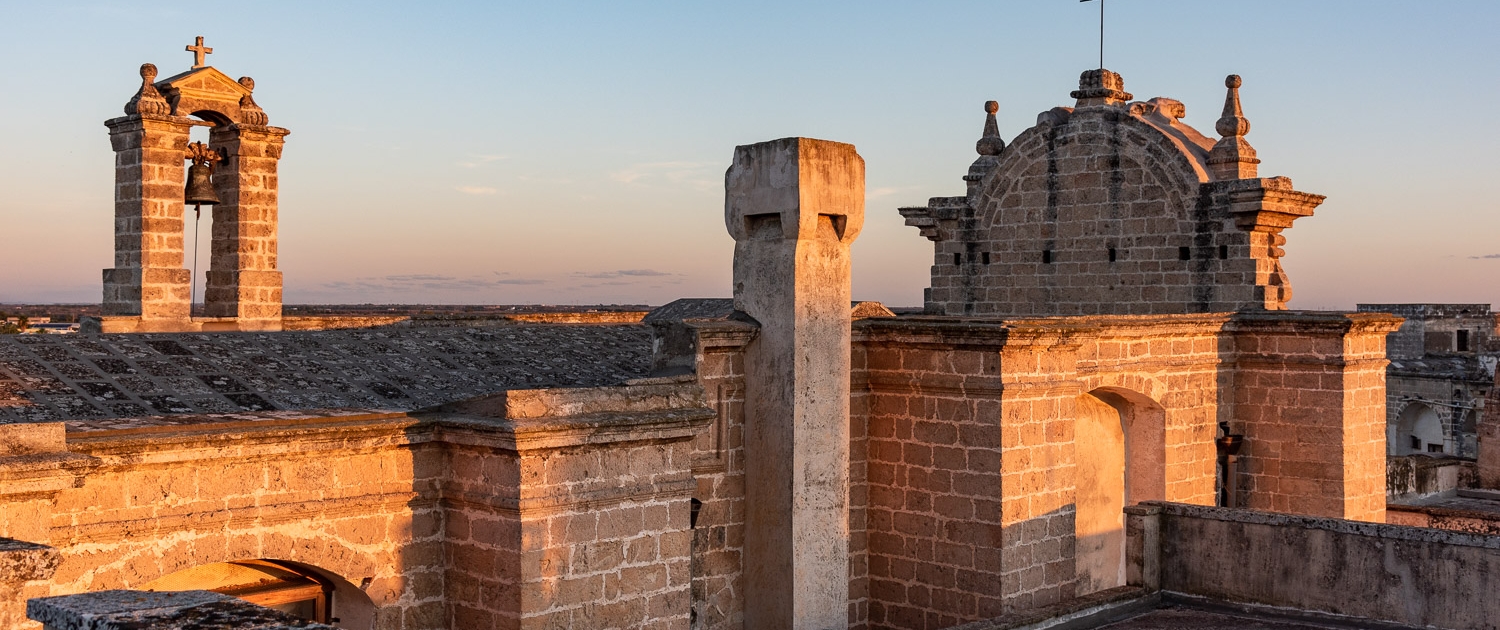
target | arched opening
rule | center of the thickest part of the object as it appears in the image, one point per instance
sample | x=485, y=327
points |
x=1120, y=450
x=291, y=587
x=1419, y=430
x=198, y=221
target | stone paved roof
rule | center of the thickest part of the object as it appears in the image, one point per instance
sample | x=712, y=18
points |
x=85, y=377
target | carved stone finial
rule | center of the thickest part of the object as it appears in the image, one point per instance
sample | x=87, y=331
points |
x=147, y=100
x=250, y=113
x=1100, y=87
x=1232, y=157
x=990, y=143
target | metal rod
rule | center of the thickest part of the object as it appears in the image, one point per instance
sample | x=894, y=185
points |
x=1101, y=34
x=197, y=218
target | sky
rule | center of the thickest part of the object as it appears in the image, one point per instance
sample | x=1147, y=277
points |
x=573, y=152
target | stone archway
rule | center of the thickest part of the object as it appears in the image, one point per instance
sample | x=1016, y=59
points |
x=296, y=588
x=1120, y=450
x=1419, y=430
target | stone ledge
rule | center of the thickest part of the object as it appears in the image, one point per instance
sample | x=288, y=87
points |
x=22, y=561
x=1342, y=526
x=132, y=610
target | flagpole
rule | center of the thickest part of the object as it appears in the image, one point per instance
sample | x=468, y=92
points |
x=1101, y=32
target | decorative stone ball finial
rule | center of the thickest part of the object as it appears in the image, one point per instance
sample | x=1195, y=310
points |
x=147, y=100
x=990, y=143
x=250, y=113
x=1232, y=122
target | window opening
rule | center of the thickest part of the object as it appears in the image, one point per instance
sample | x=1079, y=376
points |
x=1184, y=253
x=1046, y=256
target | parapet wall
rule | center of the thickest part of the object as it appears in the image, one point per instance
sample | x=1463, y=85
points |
x=1390, y=573
x=565, y=507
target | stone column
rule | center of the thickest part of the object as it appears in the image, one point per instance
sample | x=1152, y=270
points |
x=148, y=279
x=793, y=207
x=243, y=282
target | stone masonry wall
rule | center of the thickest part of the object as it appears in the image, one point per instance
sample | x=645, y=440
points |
x=1112, y=207
x=560, y=515
x=148, y=279
x=932, y=514
x=1309, y=396
x=354, y=495
x=242, y=279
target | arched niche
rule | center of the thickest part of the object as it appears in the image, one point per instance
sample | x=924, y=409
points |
x=295, y=588
x=1419, y=430
x=1120, y=450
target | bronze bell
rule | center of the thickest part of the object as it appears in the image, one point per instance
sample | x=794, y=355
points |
x=200, y=185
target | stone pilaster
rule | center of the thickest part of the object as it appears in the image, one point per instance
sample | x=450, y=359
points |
x=793, y=207
x=1309, y=397
x=243, y=282
x=148, y=280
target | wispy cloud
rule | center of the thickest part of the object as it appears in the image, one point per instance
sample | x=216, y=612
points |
x=1485, y=256
x=475, y=161
x=431, y=282
x=694, y=174
x=476, y=190
x=624, y=273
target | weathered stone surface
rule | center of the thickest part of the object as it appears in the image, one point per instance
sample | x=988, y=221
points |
x=148, y=290
x=90, y=379
x=1324, y=564
x=1112, y=208
x=793, y=207
x=184, y=610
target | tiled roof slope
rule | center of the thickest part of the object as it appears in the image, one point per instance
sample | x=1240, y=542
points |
x=82, y=377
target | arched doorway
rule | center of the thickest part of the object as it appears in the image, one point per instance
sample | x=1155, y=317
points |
x=1419, y=430
x=291, y=587
x=1119, y=447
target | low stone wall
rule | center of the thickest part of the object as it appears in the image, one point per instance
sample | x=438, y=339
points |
x=1388, y=573
x=1415, y=476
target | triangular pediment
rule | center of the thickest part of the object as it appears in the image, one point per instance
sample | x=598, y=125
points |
x=204, y=83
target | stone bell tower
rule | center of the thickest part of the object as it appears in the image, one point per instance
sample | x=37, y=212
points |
x=149, y=289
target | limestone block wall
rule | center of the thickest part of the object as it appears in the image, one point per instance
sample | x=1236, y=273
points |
x=972, y=484
x=1174, y=366
x=932, y=552
x=148, y=279
x=1309, y=396
x=242, y=279
x=529, y=508
x=352, y=495
x=1112, y=207
x=698, y=337
x=562, y=516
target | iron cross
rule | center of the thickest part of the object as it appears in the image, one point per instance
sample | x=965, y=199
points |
x=1101, y=32
x=199, y=50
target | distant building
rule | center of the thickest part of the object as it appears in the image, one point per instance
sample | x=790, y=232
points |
x=1442, y=366
x=45, y=327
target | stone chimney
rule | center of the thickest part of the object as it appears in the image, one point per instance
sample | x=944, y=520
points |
x=793, y=207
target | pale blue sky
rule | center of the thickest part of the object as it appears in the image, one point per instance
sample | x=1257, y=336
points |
x=573, y=152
